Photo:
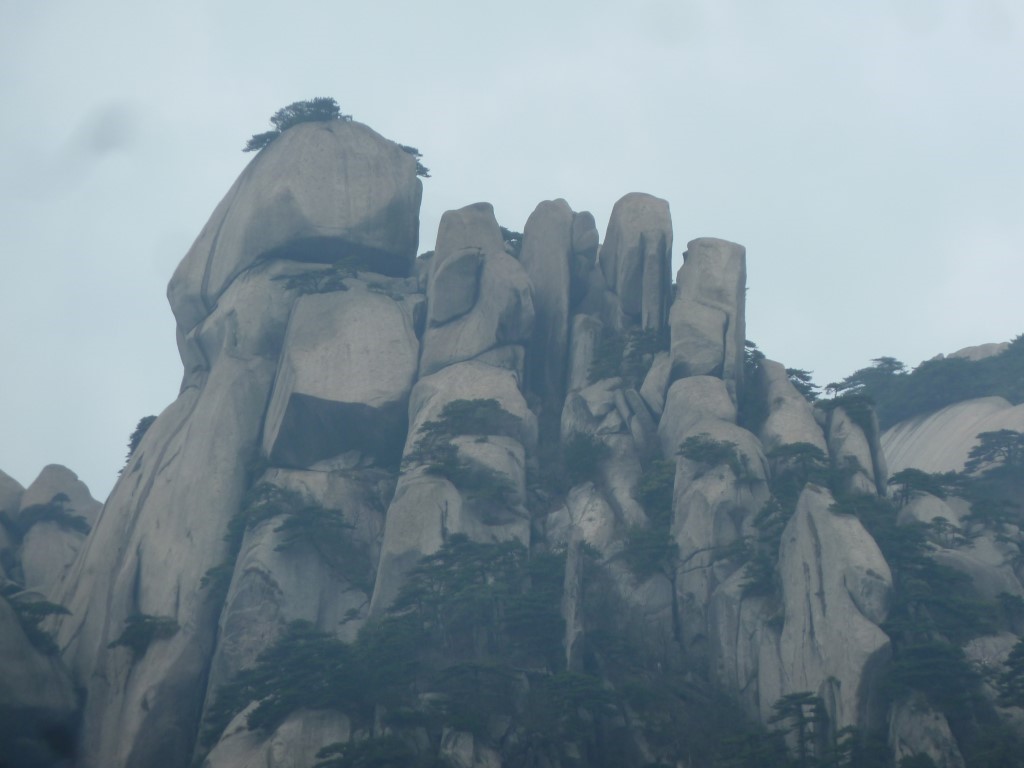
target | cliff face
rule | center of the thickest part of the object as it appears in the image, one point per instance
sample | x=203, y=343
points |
x=353, y=421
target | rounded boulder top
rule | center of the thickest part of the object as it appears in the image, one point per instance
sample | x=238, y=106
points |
x=332, y=191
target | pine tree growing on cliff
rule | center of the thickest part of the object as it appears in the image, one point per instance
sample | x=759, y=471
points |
x=321, y=108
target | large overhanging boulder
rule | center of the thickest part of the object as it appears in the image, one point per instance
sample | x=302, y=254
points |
x=348, y=364
x=323, y=192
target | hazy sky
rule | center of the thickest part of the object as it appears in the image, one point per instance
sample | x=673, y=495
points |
x=869, y=155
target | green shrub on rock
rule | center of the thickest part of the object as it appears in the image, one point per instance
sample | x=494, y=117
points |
x=141, y=630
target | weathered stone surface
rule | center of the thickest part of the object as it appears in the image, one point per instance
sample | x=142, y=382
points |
x=470, y=227
x=426, y=507
x=277, y=580
x=55, y=479
x=940, y=441
x=294, y=744
x=850, y=449
x=690, y=401
x=655, y=386
x=636, y=258
x=712, y=508
x=835, y=589
x=917, y=729
x=343, y=381
x=504, y=456
x=48, y=548
x=743, y=643
x=601, y=410
x=790, y=417
x=38, y=702
x=598, y=301
x=46, y=554
x=470, y=380
x=641, y=426
x=586, y=332
x=503, y=312
x=547, y=257
x=619, y=475
x=986, y=563
x=985, y=556
x=708, y=316
x=322, y=192
x=455, y=286
x=416, y=526
x=177, y=493
x=591, y=517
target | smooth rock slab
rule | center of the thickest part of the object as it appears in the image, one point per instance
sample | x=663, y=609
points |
x=547, y=257
x=941, y=441
x=688, y=402
x=708, y=316
x=502, y=315
x=636, y=258
x=790, y=417
x=835, y=590
x=343, y=382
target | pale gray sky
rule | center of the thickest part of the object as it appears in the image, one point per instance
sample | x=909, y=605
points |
x=869, y=156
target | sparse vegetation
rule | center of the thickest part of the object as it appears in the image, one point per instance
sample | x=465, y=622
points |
x=31, y=612
x=319, y=109
x=54, y=511
x=627, y=355
x=141, y=630
x=708, y=453
x=934, y=384
x=135, y=439
x=435, y=450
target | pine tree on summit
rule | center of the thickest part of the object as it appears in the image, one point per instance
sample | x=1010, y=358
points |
x=319, y=109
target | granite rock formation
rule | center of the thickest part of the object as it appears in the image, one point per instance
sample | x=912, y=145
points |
x=350, y=416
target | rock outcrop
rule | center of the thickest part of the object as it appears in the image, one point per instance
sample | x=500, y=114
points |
x=835, y=587
x=941, y=441
x=501, y=505
x=479, y=299
x=343, y=381
x=708, y=317
x=636, y=258
x=325, y=192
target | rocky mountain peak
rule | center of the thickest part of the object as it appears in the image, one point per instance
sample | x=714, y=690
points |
x=523, y=501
